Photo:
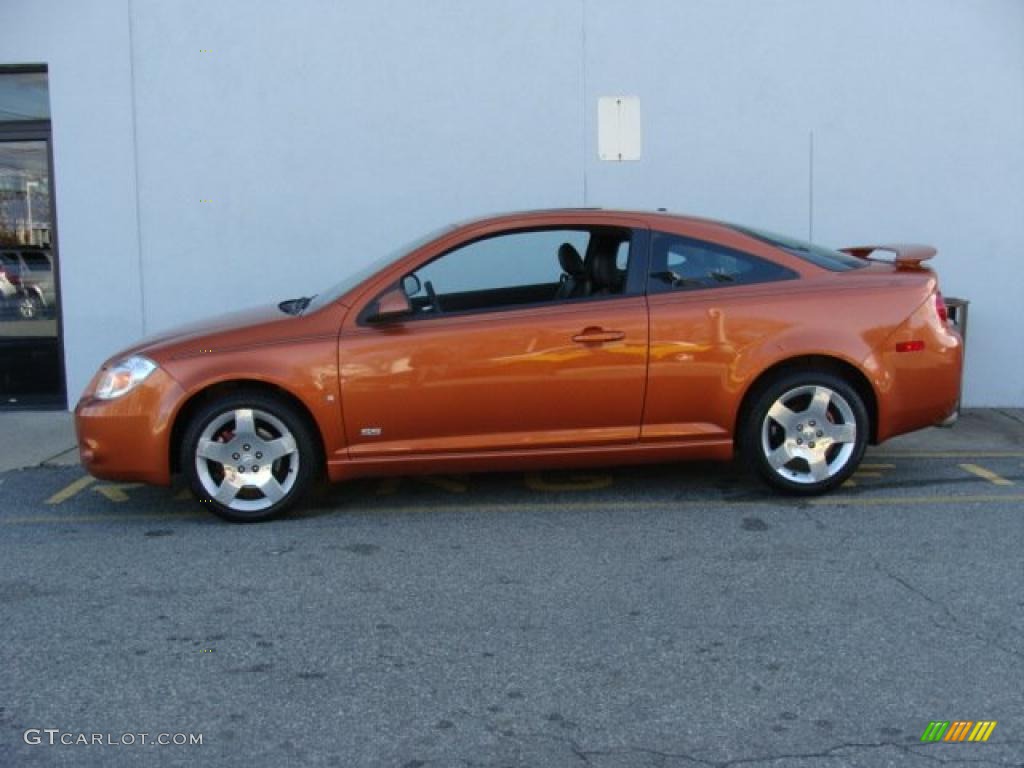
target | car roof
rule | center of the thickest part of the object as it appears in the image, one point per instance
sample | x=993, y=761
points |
x=590, y=213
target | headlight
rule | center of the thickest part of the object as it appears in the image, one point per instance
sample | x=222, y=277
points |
x=124, y=376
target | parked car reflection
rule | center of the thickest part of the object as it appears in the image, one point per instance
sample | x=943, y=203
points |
x=27, y=287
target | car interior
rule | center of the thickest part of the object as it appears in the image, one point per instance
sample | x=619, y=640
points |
x=599, y=271
x=680, y=263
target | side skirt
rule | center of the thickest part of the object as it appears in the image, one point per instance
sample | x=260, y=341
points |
x=503, y=461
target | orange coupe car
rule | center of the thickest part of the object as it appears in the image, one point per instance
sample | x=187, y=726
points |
x=541, y=340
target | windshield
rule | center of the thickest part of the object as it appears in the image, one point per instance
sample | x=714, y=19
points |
x=819, y=255
x=347, y=284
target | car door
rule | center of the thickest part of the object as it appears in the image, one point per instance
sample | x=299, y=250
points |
x=505, y=350
x=708, y=304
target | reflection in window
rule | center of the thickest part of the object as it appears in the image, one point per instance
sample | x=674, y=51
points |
x=27, y=287
x=680, y=263
x=24, y=194
x=24, y=96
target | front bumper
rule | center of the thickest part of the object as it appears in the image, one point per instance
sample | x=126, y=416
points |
x=129, y=438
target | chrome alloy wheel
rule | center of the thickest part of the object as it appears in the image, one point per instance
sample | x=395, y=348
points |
x=247, y=459
x=809, y=434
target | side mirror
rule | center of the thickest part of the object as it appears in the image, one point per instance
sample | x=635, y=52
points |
x=392, y=305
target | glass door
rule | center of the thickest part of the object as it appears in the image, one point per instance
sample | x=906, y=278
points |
x=31, y=369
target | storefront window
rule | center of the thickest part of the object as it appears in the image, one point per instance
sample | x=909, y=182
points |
x=23, y=96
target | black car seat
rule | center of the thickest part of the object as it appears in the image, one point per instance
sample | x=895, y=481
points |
x=605, y=276
x=574, y=282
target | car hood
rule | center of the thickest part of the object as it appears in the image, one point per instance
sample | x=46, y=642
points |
x=245, y=328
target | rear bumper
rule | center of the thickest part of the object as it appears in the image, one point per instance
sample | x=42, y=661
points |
x=919, y=389
x=128, y=438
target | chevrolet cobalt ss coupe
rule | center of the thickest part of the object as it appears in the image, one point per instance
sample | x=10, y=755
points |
x=546, y=339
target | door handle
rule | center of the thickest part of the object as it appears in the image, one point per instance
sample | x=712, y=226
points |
x=597, y=335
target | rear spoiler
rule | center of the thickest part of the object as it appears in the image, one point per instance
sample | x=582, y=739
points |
x=907, y=254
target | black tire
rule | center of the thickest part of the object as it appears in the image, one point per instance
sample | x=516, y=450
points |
x=804, y=440
x=29, y=306
x=261, y=491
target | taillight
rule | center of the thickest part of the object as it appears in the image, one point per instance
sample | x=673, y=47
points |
x=940, y=307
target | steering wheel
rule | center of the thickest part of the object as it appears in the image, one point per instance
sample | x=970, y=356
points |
x=435, y=303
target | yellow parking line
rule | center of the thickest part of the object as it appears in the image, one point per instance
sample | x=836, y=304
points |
x=877, y=466
x=582, y=506
x=450, y=483
x=108, y=518
x=863, y=501
x=859, y=473
x=116, y=491
x=71, y=489
x=986, y=474
x=823, y=501
x=536, y=481
x=947, y=454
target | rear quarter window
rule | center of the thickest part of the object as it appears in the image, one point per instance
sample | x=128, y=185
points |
x=681, y=263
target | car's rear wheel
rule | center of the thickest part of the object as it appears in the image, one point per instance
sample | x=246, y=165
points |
x=806, y=432
x=29, y=306
x=249, y=456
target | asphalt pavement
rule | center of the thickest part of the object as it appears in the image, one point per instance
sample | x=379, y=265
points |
x=676, y=615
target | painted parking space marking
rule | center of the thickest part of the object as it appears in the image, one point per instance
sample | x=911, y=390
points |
x=947, y=454
x=110, y=517
x=577, y=506
x=597, y=505
x=71, y=489
x=832, y=501
x=536, y=481
x=116, y=492
x=866, y=471
x=986, y=474
x=936, y=480
x=450, y=483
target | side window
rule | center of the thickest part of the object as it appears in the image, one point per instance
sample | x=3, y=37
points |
x=680, y=263
x=522, y=267
x=36, y=262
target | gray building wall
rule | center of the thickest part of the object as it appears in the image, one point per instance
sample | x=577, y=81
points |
x=325, y=133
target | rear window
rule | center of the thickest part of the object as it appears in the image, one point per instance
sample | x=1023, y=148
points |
x=820, y=256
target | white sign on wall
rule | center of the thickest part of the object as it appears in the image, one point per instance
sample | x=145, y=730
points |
x=618, y=128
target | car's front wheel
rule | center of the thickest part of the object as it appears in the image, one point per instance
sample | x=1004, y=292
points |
x=806, y=432
x=249, y=456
